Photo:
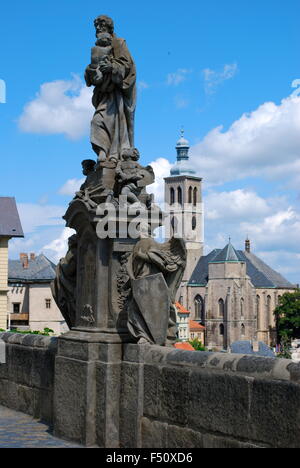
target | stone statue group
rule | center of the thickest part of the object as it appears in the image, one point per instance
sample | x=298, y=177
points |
x=151, y=272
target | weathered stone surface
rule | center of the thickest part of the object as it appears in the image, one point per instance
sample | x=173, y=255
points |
x=219, y=402
x=108, y=390
x=274, y=413
x=131, y=405
x=174, y=395
x=154, y=434
x=74, y=400
x=182, y=437
x=152, y=385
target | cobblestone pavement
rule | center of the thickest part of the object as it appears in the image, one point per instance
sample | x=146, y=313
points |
x=17, y=430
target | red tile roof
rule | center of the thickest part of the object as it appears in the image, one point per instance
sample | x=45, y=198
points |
x=184, y=345
x=195, y=326
x=181, y=309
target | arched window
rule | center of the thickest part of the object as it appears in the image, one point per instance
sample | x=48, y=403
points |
x=269, y=310
x=199, y=309
x=195, y=196
x=179, y=195
x=174, y=224
x=258, y=312
x=222, y=329
x=242, y=308
x=243, y=330
x=221, y=308
x=190, y=195
x=172, y=196
x=194, y=223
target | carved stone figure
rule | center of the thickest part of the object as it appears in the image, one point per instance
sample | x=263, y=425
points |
x=64, y=286
x=156, y=272
x=132, y=177
x=114, y=96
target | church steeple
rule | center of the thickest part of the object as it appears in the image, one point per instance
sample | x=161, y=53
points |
x=182, y=166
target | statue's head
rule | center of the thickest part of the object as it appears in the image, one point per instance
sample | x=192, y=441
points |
x=127, y=154
x=88, y=166
x=135, y=154
x=104, y=24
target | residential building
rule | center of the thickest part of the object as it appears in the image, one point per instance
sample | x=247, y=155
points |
x=31, y=305
x=10, y=227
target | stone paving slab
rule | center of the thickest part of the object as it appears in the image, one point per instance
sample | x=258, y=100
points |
x=17, y=430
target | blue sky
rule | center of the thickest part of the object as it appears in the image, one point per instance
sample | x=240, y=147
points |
x=222, y=69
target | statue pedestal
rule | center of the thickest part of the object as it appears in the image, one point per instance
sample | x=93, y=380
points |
x=87, y=389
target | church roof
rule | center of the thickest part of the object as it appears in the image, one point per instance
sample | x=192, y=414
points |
x=228, y=254
x=39, y=269
x=261, y=274
x=10, y=225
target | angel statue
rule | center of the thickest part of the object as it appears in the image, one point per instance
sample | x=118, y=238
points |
x=156, y=271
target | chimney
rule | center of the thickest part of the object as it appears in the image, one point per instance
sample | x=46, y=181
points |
x=247, y=246
x=24, y=260
x=32, y=256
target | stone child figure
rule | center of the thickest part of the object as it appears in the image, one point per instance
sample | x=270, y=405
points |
x=129, y=174
x=114, y=98
x=101, y=55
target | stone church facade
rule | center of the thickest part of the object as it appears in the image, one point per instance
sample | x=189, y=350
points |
x=232, y=293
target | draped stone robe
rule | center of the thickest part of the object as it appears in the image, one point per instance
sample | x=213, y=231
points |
x=112, y=127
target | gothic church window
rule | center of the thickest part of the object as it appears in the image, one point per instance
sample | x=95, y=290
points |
x=190, y=195
x=199, y=309
x=221, y=306
x=179, y=195
x=172, y=196
x=195, y=196
x=242, y=308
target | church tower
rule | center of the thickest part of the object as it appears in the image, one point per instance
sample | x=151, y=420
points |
x=183, y=194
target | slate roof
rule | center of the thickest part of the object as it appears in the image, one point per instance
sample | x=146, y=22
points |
x=10, y=225
x=41, y=269
x=261, y=275
x=228, y=254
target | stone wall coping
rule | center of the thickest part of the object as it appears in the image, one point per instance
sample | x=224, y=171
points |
x=33, y=341
x=247, y=365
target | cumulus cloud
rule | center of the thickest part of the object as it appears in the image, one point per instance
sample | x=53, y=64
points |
x=60, y=107
x=57, y=248
x=213, y=79
x=161, y=167
x=174, y=79
x=34, y=216
x=262, y=143
x=71, y=187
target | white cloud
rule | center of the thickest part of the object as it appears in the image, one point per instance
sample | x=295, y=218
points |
x=263, y=143
x=57, y=249
x=161, y=167
x=142, y=85
x=213, y=79
x=235, y=205
x=60, y=107
x=71, y=187
x=174, y=79
x=35, y=216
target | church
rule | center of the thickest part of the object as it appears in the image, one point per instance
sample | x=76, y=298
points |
x=231, y=293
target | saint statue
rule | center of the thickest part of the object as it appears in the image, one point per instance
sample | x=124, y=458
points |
x=112, y=71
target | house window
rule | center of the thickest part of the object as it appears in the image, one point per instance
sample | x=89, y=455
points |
x=48, y=303
x=16, y=308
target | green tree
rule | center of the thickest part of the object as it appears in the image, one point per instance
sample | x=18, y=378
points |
x=287, y=315
x=197, y=345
